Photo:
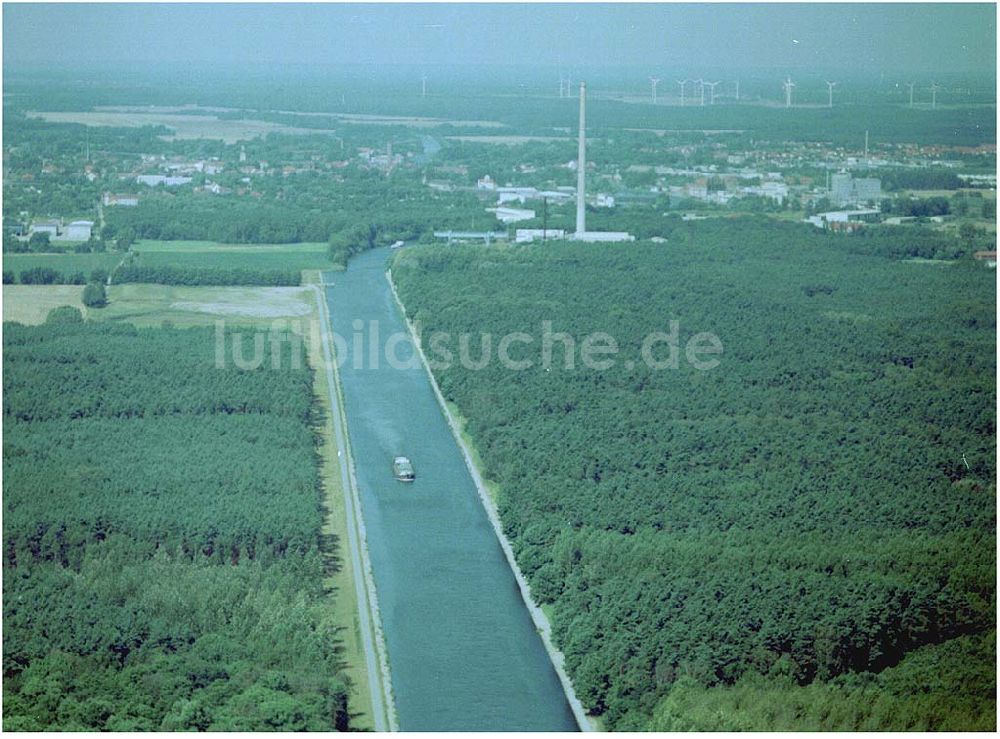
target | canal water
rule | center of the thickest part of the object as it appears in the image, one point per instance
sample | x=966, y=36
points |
x=463, y=651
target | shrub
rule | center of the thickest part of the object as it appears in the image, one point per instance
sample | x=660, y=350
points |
x=39, y=241
x=94, y=295
x=64, y=314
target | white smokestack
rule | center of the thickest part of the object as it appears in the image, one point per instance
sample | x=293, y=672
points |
x=581, y=164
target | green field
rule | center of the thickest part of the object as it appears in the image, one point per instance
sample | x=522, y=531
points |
x=207, y=254
x=150, y=245
x=31, y=304
x=66, y=264
x=186, y=254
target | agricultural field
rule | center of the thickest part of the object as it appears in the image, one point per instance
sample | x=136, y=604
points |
x=802, y=537
x=154, y=305
x=174, y=305
x=209, y=255
x=31, y=304
x=65, y=264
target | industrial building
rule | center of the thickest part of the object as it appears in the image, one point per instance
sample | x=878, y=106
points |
x=73, y=231
x=603, y=236
x=78, y=231
x=50, y=227
x=484, y=236
x=845, y=220
x=516, y=194
x=512, y=215
x=528, y=235
x=845, y=189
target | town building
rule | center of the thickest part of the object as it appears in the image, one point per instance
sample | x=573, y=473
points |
x=152, y=180
x=776, y=191
x=110, y=199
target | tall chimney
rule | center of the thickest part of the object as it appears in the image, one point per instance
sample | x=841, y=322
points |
x=581, y=164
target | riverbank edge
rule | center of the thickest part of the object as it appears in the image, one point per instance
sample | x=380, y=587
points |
x=538, y=617
x=340, y=582
x=380, y=680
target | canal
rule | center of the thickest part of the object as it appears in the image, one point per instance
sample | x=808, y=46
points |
x=463, y=651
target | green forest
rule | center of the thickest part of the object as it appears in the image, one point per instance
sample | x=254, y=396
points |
x=163, y=554
x=800, y=538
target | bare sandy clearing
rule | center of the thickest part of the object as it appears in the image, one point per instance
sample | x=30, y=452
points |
x=269, y=302
x=30, y=304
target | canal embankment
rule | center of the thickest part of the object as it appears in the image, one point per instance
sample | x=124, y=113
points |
x=538, y=616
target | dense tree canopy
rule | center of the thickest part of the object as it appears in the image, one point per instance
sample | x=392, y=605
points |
x=170, y=275
x=163, y=560
x=821, y=503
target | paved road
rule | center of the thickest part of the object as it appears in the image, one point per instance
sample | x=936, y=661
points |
x=463, y=649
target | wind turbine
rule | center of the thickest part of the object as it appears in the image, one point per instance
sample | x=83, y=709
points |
x=829, y=93
x=711, y=88
x=934, y=92
x=682, y=83
x=654, y=81
x=423, y=85
x=701, y=89
x=788, y=85
x=737, y=89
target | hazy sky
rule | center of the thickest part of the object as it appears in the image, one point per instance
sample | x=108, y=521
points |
x=853, y=37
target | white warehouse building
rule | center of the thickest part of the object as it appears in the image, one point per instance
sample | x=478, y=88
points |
x=513, y=215
x=78, y=231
